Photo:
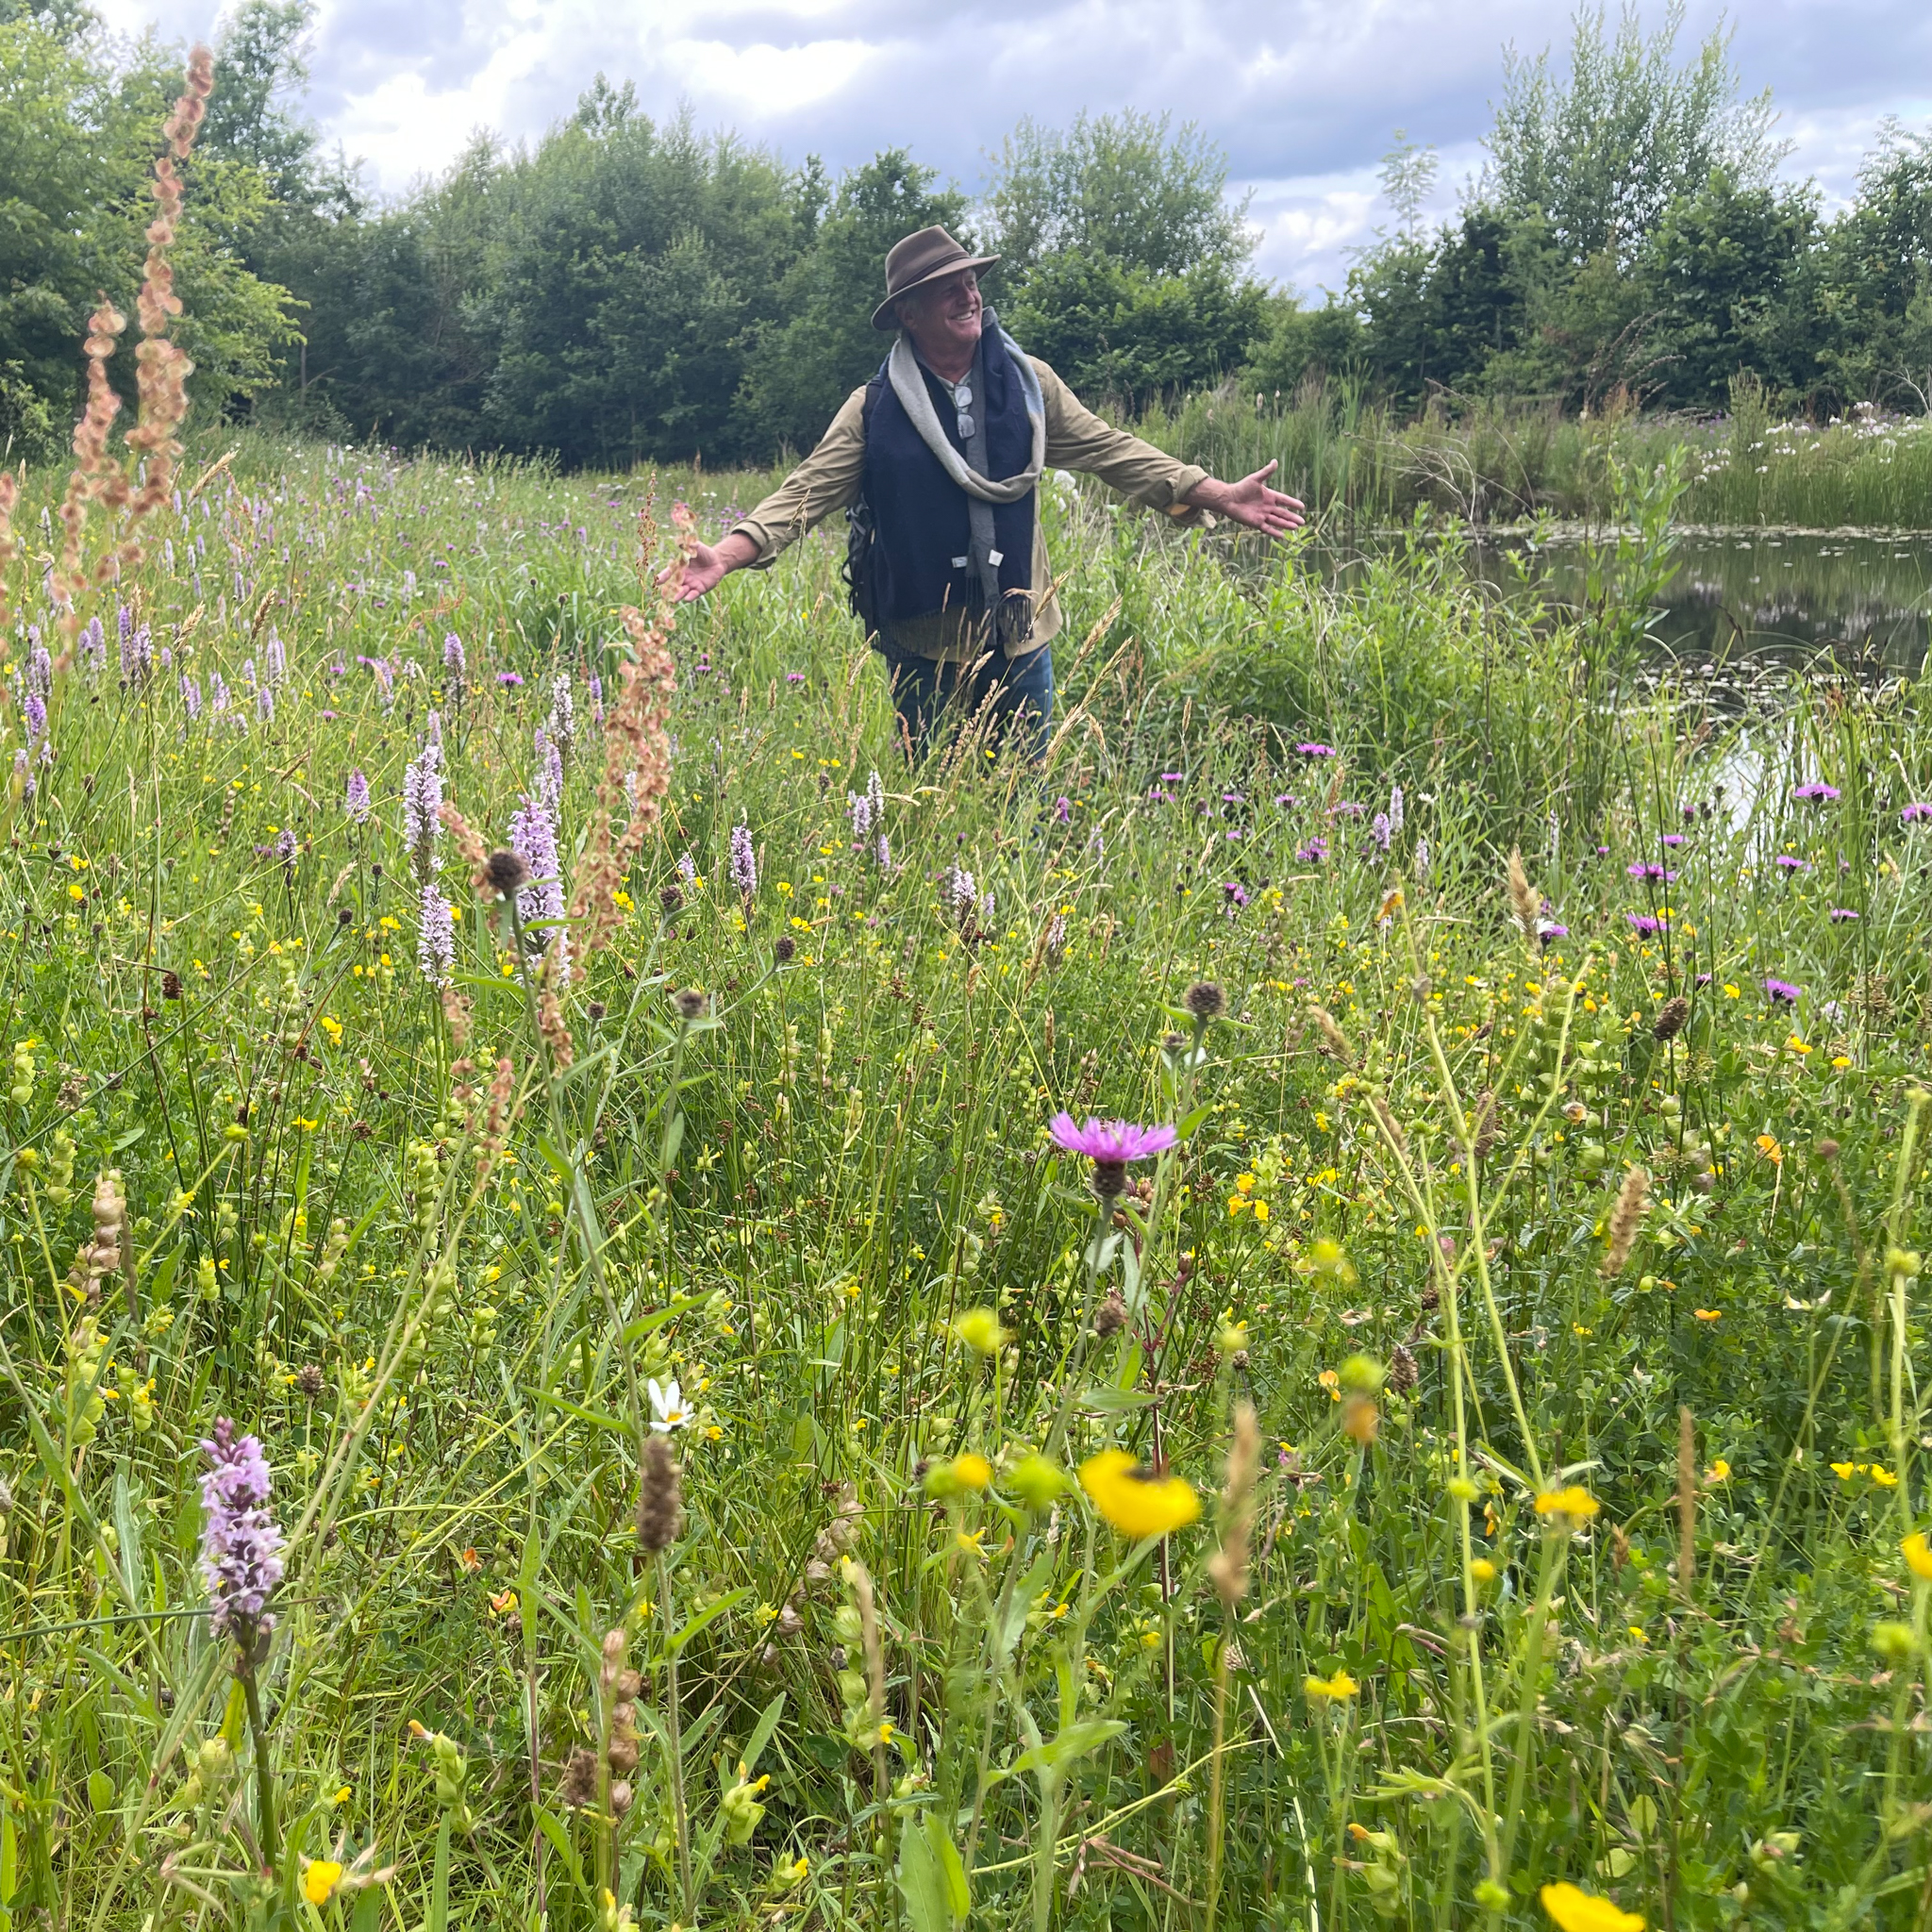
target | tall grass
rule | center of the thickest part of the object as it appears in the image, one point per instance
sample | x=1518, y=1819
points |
x=1501, y=462
x=885, y=1658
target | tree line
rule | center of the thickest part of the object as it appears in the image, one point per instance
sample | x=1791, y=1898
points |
x=627, y=289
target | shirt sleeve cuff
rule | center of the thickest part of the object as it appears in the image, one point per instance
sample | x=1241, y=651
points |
x=1169, y=493
x=755, y=532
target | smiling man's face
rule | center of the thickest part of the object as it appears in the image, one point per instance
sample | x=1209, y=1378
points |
x=945, y=320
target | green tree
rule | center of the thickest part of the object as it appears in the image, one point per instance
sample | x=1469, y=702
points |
x=77, y=142
x=1118, y=188
x=260, y=64
x=632, y=268
x=56, y=153
x=1126, y=262
x=1730, y=278
x=1878, y=276
x=1115, y=330
x=1602, y=151
x=821, y=345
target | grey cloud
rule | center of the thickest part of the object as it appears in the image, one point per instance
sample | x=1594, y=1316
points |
x=1302, y=96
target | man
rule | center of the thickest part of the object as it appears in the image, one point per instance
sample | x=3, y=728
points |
x=938, y=459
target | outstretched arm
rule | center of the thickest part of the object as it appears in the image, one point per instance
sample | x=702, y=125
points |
x=827, y=480
x=1076, y=439
x=1249, y=502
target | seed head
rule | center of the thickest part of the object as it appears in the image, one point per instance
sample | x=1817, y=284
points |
x=1206, y=999
x=691, y=1003
x=171, y=985
x=1625, y=1218
x=1525, y=902
x=784, y=948
x=661, y=1504
x=672, y=900
x=1670, y=1020
x=506, y=874
x=1229, y=1566
x=308, y=1380
x=580, y=1779
x=1111, y=1317
x=1403, y=1372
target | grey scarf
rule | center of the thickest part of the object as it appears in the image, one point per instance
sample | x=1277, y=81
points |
x=982, y=491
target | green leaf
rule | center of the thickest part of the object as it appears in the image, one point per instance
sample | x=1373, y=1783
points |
x=1105, y=1400
x=932, y=1878
x=711, y=1614
x=1057, y=1754
x=552, y=1828
x=439, y=1881
x=100, y=1791
x=767, y=1723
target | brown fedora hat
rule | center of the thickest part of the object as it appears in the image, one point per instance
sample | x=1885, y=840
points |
x=930, y=256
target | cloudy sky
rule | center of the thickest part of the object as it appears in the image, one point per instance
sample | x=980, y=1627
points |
x=1303, y=96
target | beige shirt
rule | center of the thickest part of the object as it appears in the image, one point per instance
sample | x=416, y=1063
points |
x=1076, y=439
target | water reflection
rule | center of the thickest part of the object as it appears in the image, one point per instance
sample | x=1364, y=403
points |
x=1780, y=599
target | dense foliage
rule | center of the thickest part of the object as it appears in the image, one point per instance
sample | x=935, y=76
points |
x=1629, y=236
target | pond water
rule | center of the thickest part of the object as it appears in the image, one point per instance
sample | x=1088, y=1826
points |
x=1778, y=597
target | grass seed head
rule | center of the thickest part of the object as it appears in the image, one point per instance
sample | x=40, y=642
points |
x=660, y=1501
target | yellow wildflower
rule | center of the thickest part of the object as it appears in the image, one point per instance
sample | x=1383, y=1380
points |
x=1331, y=1689
x=1575, y=1910
x=1918, y=1555
x=319, y=1881
x=1573, y=1507
x=1135, y=1500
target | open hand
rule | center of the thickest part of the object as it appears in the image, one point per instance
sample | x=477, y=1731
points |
x=1251, y=503
x=707, y=565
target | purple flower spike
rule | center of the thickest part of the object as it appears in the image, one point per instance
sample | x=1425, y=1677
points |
x=1782, y=990
x=1316, y=751
x=241, y=1546
x=1839, y=914
x=1237, y=897
x=745, y=870
x=1313, y=853
x=1817, y=794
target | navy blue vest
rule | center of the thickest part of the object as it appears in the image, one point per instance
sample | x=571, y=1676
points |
x=919, y=513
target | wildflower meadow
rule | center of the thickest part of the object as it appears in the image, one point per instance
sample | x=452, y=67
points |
x=627, y=1309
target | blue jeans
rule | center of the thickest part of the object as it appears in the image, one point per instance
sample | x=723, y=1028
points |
x=928, y=694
